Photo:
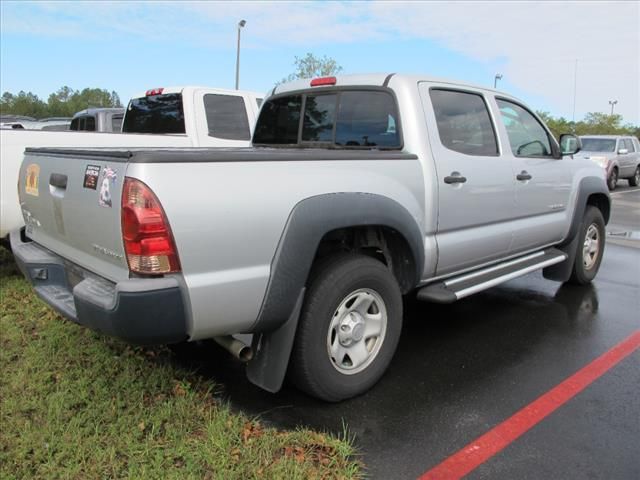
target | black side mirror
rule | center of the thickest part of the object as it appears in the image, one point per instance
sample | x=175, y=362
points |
x=570, y=144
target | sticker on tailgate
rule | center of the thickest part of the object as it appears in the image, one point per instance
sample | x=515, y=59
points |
x=109, y=178
x=91, y=175
x=31, y=180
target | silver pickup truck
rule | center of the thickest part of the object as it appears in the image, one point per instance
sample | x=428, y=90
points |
x=357, y=190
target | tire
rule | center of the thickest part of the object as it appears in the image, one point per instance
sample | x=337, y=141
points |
x=589, y=255
x=635, y=180
x=332, y=326
x=612, y=181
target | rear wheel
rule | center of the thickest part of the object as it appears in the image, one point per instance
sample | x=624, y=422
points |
x=635, y=180
x=349, y=327
x=612, y=181
x=590, y=247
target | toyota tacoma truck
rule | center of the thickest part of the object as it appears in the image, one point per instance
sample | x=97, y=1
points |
x=357, y=190
x=159, y=117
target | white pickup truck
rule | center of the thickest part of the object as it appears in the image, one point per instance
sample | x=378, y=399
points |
x=185, y=116
x=359, y=189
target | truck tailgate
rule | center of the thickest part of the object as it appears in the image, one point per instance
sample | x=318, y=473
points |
x=71, y=205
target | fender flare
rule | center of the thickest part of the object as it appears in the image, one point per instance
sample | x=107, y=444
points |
x=310, y=220
x=588, y=186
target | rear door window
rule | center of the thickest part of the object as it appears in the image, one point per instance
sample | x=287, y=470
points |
x=464, y=124
x=155, y=114
x=74, y=124
x=226, y=117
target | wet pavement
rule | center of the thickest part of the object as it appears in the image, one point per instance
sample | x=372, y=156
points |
x=461, y=369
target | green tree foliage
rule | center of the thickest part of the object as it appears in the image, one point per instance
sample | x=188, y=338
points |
x=594, y=123
x=311, y=66
x=63, y=103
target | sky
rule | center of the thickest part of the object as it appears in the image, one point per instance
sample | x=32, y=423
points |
x=547, y=52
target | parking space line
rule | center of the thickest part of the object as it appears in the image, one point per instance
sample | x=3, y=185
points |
x=486, y=446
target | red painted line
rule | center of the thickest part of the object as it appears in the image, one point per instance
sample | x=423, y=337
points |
x=486, y=446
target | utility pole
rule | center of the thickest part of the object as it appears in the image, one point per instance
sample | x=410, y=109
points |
x=575, y=89
x=612, y=103
x=241, y=24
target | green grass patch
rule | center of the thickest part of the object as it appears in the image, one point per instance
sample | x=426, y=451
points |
x=75, y=404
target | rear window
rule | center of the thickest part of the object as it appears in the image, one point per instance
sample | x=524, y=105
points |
x=279, y=121
x=343, y=118
x=598, y=144
x=155, y=114
x=226, y=117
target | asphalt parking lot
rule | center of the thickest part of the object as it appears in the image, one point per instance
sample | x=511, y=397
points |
x=463, y=369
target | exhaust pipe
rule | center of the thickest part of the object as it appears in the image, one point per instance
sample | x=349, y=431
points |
x=235, y=347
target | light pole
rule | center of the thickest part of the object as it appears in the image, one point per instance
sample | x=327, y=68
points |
x=496, y=78
x=612, y=103
x=241, y=24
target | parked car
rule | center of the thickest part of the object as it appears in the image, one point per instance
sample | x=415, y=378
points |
x=28, y=123
x=359, y=189
x=618, y=155
x=185, y=116
x=98, y=120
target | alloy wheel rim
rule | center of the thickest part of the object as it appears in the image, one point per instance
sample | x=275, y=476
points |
x=357, y=331
x=591, y=247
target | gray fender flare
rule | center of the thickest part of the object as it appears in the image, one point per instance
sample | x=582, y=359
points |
x=587, y=187
x=310, y=220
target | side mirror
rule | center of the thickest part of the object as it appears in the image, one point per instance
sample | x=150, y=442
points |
x=623, y=151
x=570, y=144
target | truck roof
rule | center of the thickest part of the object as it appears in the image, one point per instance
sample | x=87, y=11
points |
x=377, y=79
x=189, y=88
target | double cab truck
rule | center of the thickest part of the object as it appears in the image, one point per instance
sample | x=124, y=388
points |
x=357, y=190
x=160, y=117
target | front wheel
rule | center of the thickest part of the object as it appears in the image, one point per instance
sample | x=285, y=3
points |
x=635, y=180
x=349, y=327
x=590, y=247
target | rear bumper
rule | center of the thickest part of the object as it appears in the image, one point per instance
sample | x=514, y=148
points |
x=139, y=310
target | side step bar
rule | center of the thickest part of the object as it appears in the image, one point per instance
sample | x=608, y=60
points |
x=462, y=286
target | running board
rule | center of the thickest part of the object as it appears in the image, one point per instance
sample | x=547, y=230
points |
x=462, y=286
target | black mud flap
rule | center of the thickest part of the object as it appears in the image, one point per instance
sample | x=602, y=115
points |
x=272, y=351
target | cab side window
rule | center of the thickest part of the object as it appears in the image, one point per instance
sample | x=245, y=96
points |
x=628, y=144
x=464, y=124
x=527, y=136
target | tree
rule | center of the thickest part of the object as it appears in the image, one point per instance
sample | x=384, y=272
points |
x=594, y=123
x=65, y=102
x=311, y=66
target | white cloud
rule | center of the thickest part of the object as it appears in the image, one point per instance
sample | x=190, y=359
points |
x=535, y=44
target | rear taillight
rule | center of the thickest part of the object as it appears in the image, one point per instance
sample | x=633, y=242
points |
x=147, y=237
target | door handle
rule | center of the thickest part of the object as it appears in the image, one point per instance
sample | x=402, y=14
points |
x=58, y=180
x=523, y=175
x=455, y=177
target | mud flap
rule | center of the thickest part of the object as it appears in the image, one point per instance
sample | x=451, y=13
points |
x=561, y=272
x=272, y=351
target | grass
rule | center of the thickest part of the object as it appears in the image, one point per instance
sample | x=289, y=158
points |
x=78, y=405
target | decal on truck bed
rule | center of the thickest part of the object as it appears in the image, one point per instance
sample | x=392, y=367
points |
x=109, y=178
x=91, y=175
x=32, y=177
